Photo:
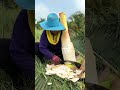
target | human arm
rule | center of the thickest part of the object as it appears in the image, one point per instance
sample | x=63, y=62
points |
x=43, y=47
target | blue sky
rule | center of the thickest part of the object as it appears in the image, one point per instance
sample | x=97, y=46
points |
x=44, y=7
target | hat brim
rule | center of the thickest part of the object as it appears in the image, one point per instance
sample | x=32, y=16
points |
x=56, y=28
x=26, y=4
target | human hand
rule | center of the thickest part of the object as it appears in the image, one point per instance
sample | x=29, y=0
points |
x=83, y=66
x=56, y=60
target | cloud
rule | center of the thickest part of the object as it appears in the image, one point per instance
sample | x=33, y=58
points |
x=80, y=5
x=41, y=11
x=44, y=7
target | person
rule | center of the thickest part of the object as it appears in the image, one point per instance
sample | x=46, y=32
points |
x=22, y=40
x=50, y=41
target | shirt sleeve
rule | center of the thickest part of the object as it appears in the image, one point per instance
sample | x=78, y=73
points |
x=43, y=46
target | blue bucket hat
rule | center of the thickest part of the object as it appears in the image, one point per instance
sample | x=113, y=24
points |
x=26, y=4
x=52, y=23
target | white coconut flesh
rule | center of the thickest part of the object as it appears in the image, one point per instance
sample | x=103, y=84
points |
x=63, y=72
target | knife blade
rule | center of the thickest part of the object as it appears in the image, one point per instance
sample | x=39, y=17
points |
x=72, y=62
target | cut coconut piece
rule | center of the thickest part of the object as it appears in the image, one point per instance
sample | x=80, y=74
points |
x=78, y=72
x=63, y=71
x=49, y=83
x=74, y=79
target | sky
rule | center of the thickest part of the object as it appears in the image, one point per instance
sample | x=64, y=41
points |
x=45, y=7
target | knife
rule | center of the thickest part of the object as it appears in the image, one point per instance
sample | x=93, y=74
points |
x=72, y=62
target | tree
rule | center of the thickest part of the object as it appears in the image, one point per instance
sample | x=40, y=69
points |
x=77, y=23
x=37, y=24
x=76, y=27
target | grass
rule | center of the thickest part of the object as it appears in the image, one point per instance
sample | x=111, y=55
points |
x=5, y=81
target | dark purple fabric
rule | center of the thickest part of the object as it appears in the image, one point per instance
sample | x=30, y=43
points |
x=47, y=49
x=22, y=45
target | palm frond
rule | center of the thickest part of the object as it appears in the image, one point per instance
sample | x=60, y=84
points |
x=5, y=81
x=103, y=30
